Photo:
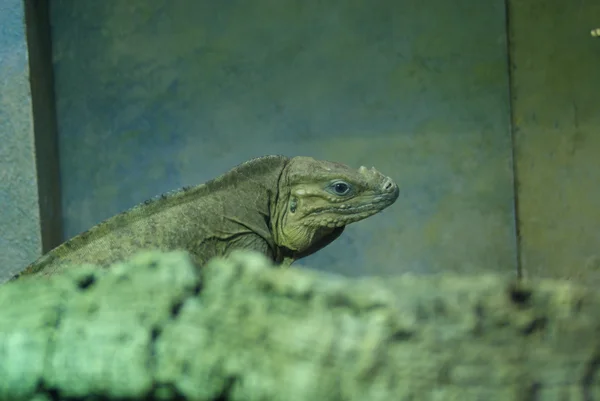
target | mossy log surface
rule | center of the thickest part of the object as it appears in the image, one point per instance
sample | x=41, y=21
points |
x=155, y=328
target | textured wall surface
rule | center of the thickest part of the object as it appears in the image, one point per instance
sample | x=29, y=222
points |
x=555, y=88
x=153, y=95
x=19, y=213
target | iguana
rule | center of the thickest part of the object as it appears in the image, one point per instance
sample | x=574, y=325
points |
x=286, y=208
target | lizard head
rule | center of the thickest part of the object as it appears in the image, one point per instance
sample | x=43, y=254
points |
x=317, y=199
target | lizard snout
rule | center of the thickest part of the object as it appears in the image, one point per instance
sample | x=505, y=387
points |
x=388, y=186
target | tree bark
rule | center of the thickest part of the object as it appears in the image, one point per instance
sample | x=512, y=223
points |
x=155, y=328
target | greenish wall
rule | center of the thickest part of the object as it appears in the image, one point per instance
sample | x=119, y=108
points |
x=556, y=113
x=153, y=95
x=20, y=240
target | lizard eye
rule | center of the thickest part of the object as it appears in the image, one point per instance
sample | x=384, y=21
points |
x=340, y=188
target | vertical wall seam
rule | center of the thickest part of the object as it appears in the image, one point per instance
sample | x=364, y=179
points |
x=513, y=133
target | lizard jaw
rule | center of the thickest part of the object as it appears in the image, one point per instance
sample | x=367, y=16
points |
x=338, y=215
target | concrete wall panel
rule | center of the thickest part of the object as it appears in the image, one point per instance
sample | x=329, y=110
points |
x=152, y=95
x=20, y=240
x=555, y=90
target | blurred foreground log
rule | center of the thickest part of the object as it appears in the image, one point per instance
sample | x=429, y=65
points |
x=154, y=329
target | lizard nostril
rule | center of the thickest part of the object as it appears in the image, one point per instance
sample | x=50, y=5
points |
x=388, y=184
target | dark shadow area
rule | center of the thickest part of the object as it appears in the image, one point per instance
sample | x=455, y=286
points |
x=39, y=43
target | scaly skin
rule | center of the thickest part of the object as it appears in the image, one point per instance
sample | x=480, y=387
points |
x=285, y=208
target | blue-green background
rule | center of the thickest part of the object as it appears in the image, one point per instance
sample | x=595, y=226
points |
x=153, y=95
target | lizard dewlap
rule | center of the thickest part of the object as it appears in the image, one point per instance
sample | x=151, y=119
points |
x=285, y=208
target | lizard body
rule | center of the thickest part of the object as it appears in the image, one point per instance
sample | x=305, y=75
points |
x=285, y=208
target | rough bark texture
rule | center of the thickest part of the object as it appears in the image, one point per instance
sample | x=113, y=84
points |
x=155, y=329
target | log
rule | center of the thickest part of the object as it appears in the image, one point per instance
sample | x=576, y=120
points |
x=156, y=328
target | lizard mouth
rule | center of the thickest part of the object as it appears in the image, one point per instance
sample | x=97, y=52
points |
x=376, y=203
x=338, y=215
